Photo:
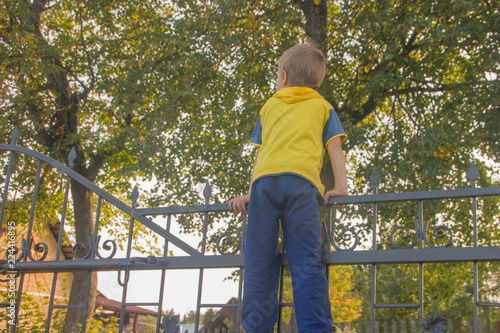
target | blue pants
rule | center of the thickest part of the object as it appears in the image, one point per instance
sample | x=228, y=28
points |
x=293, y=200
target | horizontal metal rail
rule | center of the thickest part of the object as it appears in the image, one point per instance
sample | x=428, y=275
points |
x=362, y=257
x=347, y=200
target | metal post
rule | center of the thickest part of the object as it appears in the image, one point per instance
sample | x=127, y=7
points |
x=28, y=237
x=207, y=192
x=473, y=175
x=134, y=197
x=71, y=158
x=421, y=231
x=240, y=282
x=374, y=182
x=163, y=273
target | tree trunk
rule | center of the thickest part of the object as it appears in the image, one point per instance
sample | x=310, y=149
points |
x=315, y=12
x=84, y=227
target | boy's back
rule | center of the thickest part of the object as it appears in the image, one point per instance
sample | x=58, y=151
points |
x=292, y=131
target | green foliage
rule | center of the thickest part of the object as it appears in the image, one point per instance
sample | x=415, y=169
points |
x=172, y=93
x=209, y=314
x=189, y=317
x=169, y=93
x=345, y=303
x=32, y=317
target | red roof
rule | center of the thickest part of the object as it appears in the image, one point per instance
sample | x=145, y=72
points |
x=105, y=303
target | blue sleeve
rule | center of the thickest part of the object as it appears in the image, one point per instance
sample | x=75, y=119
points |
x=256, y=138
x=333, y=128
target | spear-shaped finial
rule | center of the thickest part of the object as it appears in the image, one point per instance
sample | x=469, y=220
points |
x=14, y=135
x=374, y=180
x=207, y=192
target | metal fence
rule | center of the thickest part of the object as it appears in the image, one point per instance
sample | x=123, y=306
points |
x=343, y=246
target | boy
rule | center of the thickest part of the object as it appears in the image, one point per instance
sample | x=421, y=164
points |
x=292, y=131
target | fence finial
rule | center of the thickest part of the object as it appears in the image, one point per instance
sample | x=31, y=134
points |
x=207, y=192
x=72, y=157
x=135, y=195
x=473, y=173
x=374, y=179
x=13, y=136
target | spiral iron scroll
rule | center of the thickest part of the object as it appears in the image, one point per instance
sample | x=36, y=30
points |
x=93, y=249
x=346, y=235
x=227, y=240
x=404, y=233
x=41, y=248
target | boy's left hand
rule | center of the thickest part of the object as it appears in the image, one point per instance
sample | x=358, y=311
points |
x=334, y=193
x=238, y=204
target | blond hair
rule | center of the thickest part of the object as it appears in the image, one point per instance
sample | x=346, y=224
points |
x=305, y=66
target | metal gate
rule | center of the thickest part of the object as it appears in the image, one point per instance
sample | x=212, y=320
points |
x=342, y=247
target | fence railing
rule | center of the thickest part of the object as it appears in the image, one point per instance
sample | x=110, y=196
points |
x=343, y=247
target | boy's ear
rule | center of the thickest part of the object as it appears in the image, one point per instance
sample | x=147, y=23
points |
x=285, y=78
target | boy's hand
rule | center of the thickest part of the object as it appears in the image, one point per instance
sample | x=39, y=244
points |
x=238, y=204
x=334, y=193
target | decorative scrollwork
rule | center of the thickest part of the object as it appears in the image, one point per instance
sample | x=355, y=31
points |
x=438, y=232
x=227, y=240
x=40, y=248
x=11, y=253
x=404, y=233
x=93, y=249
x=80, y=248
x=346, y=235
x=108, y=245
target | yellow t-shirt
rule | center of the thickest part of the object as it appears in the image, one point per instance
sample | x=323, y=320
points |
x=292, y=131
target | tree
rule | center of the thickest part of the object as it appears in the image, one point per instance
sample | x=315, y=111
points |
x=189, y=317
x=74, y=75
x=145, y=89
x=209, y=314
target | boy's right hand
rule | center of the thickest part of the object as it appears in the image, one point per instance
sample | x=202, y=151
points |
x=334, y=193
x=238, y=204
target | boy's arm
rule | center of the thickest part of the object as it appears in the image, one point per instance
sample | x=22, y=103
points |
x=337, y=159
x=238, y=204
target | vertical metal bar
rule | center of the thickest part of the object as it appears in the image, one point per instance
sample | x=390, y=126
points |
x=281, y=292
x=240, y=282
x=373, y=297
x=421, y=267
x=473, y=175
x=476, y=269
x=206, y=193
x=7, y=177
x=374, y=182
x=163, y=273
x=134, y=197
x=28, y=236
x=96, y=226
x=198, y=299
x=59, y=245
x=93, y=244
x=327, y=247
